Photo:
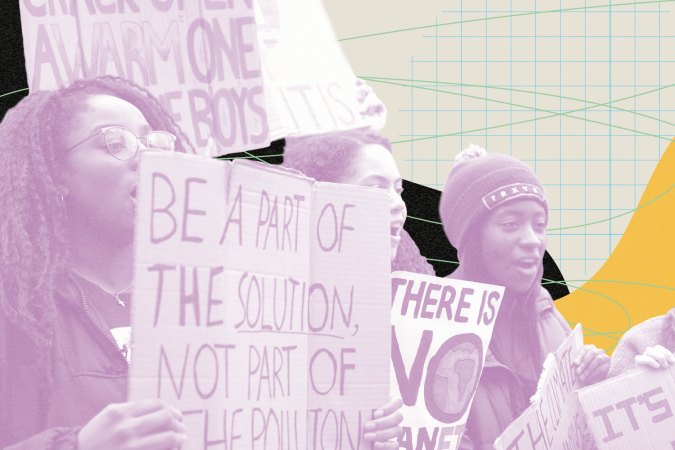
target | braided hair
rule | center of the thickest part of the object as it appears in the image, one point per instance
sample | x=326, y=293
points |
x=33, y=246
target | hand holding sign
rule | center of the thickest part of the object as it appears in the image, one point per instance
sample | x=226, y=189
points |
x=263, y=304
x=656, y=357
x=553, y=420
x=591, y=365
x=146, y=424
x=385, y=426
x=632, y=411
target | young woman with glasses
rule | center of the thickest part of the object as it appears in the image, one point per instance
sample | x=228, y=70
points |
x=68, y=188
x=68, y=195
x=363, y=158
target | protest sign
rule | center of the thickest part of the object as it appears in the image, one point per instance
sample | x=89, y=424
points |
x=180, y=351
x=347, y=270
x=200, y=58
x=309, y=85
x=554, y=420
x=256, y=308
x=632, y=411
x=441, y=329
x=266, y=242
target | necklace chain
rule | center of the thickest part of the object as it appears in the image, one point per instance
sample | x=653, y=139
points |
x=116, y=295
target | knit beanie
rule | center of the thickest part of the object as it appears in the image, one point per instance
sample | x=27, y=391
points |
x=478, y=183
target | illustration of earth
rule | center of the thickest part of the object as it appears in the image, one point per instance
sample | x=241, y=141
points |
x=452, y=377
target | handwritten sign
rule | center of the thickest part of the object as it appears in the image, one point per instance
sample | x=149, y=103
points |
x=309, y=85
x=636, y=410
x=441, y=329
x=200, y=58
x=554, y=420
x=256, y=307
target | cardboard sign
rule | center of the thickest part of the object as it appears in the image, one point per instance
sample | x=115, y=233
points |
x=554, y=419
x=200, y=58
x=349, y=349
x=441, y=329
x=309, y=85
x=259, y=294
x=636, y=410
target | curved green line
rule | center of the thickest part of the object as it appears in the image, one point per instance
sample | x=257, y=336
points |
x=545, y=94
x=552, y=114
x=256, y=157
x=506, y=16
x=251, y=156
x=444, y=261
x=425, y=220
x=548, y=281
x=648, y=203
x=606, y=297
x=618, y=215
x=604, y=333
x=13, y=92
x=633, y=283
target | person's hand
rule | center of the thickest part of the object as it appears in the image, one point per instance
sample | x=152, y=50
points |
x=385, y=426
x=656, y=357
x=370, y=106
x=591, y=365
x=137, y=425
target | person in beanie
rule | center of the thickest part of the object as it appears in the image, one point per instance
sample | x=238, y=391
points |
x=494, y=211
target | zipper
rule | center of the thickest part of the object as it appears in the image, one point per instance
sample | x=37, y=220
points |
x=120, y=353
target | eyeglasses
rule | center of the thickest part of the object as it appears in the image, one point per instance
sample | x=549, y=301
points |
x=123, y=143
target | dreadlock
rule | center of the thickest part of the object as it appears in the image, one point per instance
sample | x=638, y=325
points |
x=33, y=247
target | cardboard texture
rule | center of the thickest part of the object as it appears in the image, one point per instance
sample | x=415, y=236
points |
x=316, y=92
x=632, y=411
x=267, y=274
x=554, y=419
x=259, y=294
x=199, y=58
x=441, y=329
x=347, y=269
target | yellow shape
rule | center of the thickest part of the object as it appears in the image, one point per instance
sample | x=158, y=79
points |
x=638, y=279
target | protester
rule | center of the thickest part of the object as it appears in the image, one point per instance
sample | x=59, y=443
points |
x=68, y=196
x=68, y=193
x=363, y=158
x=648, y=344
x=494, y=211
